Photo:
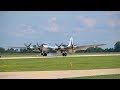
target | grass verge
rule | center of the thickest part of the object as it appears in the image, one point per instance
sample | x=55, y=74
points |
x=60, y=63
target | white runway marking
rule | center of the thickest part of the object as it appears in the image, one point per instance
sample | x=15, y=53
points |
x=61, y=56
x=56, y=74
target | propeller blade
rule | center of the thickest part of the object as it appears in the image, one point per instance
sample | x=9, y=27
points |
x=75, y=45
x=25, y=44
x=38, y=45
x=61, y=44
x=29, y=44
x=56, y=44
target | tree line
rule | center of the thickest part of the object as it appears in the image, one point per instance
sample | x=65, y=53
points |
x=11, y=50
x=91, y=49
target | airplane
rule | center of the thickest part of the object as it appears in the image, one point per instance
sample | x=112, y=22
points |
x=44, y=49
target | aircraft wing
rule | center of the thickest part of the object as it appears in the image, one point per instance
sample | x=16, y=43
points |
x=54, y=50
x=87, y=46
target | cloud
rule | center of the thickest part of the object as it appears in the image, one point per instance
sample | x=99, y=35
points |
x=78, y=30
x=23, y=30
x=89, y=22
x=52, y=25
x=114, y=22
x=109, y=13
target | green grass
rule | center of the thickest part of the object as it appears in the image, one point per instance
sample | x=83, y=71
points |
x=20, y=54
x=112, y=76
x=60, y=63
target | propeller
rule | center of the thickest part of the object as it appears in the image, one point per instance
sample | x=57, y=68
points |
x=27, y=45
x=59, y=46
x=40, y=46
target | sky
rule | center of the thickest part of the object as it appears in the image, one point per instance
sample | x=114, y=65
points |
x=86, y=27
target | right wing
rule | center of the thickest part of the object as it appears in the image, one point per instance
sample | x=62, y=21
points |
x=87, y=46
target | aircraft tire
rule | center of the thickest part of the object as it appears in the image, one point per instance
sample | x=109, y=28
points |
x=64, y=54
x=42, y=54
x=45, y=54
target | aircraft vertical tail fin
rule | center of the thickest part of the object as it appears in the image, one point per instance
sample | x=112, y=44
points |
x=70, y=42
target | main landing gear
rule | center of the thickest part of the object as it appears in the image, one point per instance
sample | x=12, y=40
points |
x=64, y=54
x=44, y=53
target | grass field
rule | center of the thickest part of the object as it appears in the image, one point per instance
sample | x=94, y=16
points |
x=112, y=76
x=19, y=54
x=60, y=63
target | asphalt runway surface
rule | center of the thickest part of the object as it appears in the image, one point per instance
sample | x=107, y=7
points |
x=57, y=74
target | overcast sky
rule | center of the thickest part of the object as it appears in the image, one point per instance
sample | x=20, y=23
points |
x=86, y=27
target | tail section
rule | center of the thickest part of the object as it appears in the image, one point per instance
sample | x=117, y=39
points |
x=70, y=42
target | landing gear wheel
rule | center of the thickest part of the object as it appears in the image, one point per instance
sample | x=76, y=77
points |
x=44, y=54
x=64, y=54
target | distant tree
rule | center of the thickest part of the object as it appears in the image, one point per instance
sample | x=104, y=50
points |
x=92, y=49
x=16, y=50
x=117, y=46
x=99, y=49
x=106, y=50
x=12, y=50
x=26, y=51
x=2, y=50
x=8, y=50
x=34, y=46
x=23, y=50
x=109, y=50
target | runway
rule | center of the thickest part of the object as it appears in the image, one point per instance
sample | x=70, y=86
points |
x=57, y=74
x=61, y=56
